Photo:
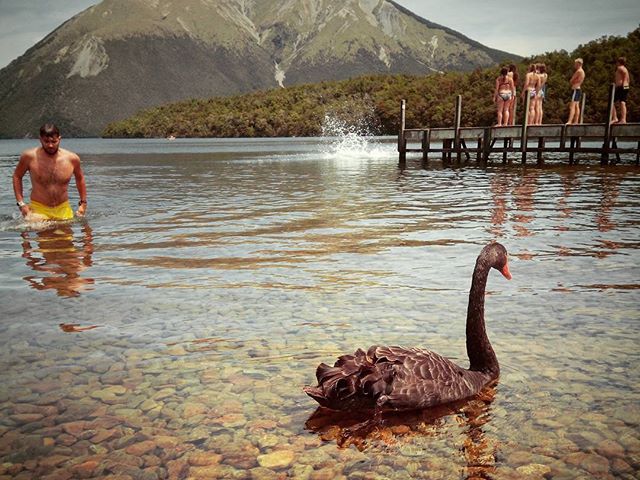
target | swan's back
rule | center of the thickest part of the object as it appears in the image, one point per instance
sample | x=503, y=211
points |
x=393, y=378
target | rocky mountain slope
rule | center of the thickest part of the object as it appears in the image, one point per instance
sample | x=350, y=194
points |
x=121, y=56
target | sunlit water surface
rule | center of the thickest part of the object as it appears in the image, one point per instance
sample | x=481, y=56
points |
x=169, y=335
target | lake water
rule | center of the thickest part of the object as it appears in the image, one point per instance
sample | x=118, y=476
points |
x=169, y=334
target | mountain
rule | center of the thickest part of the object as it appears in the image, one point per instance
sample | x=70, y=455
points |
x=121, y=56
x=369, y=105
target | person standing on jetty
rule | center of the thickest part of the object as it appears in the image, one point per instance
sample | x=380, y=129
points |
x=513, y=73
x=502, y=96
x=576, y=91
x=50, y=168
x=530, y=88
x=542, y=92
x=621, y=80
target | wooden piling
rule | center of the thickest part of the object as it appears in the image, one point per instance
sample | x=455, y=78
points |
x=457, y=121
x=540, y=150
x=446, y=151
x=505, y=148
x=486, y=145
x=572, y=147
x=402, y=142
x=614, y=146
x=525, y=126
x=463, y=147
x=604, y=159
x=426, y=145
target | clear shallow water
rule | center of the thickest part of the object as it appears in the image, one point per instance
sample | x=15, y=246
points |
x=218, y=274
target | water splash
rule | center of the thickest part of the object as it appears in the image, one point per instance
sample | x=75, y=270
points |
x=17, y=223
x=350, y=130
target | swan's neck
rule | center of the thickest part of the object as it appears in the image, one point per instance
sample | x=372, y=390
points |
x=482, y=358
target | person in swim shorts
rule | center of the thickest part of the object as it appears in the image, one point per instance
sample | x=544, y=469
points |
x=621, y=80
x=50, y=168
x=576, y=91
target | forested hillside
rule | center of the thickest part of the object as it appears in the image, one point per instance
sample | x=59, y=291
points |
x=375, y=100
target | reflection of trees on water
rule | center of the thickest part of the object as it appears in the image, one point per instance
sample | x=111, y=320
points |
x=57, y=261
x=362, y=430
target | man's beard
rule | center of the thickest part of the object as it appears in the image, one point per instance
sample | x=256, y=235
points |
x=52, y=151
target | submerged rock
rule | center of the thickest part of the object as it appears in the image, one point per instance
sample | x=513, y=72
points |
x=536, y=470
x=591, y=462
x=204, y=459
x=277, y=459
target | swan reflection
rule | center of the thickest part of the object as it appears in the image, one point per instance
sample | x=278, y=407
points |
x=362, y=430
x=57, y=259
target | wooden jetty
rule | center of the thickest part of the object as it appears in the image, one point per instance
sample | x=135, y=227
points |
x=480, y=142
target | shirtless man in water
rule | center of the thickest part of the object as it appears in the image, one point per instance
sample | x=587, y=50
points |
x=621, y=80
x=50, y=168
x=576, y=92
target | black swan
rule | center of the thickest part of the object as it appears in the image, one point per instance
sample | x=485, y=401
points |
x=397, y=378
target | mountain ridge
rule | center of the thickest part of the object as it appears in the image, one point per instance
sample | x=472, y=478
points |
x=121, y=56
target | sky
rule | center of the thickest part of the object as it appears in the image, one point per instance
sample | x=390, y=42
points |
x=522, y=27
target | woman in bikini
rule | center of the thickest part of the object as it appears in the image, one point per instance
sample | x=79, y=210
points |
x=502, y=96
x=542, y=92
x=531, y=88
x=513, y=74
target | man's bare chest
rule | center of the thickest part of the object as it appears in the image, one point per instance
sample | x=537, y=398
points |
x=51, y=172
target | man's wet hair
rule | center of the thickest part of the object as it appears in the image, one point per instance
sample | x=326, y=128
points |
x=49, y=130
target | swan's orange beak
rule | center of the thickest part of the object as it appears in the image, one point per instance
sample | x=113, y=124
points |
x=505, y=271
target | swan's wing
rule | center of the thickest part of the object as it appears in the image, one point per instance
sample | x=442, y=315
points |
x=422, y=378
x=392, y=377
x=353, y=382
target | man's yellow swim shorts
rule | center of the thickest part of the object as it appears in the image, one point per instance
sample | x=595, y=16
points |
x=59, y=212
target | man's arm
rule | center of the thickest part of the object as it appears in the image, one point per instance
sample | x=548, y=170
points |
x=80, y=184
x=623, y=75
x=19, y=172
x=527, y=84
x=574, y=78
